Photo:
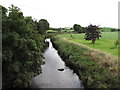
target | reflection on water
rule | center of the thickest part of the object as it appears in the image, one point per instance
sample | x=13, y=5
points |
x=51, y=77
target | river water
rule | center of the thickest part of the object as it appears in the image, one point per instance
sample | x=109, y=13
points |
x=51, y=77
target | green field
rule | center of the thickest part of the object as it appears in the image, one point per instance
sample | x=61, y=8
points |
x=107, y=29
x=106, y=43
x=67, y=30
x=51, y=31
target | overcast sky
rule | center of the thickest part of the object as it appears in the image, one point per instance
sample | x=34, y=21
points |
x=66, y=13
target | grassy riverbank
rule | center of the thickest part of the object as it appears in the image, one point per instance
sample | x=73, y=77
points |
x=94, y=68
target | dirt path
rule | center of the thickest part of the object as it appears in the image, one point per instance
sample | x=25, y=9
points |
x=85, y=46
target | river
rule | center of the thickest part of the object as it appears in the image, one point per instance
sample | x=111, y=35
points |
x=51, y=77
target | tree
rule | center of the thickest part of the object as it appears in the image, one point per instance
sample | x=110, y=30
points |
x=43, y=26
x=4, y=11
x=78, y=28
x=22, y=49
x=15, y=13
x=92, y=33
x=113, y=30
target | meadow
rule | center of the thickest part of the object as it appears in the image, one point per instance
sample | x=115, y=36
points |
x=105, y=44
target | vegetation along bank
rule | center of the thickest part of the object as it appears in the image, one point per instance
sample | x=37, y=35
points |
x=95, y=68
x=23, y=46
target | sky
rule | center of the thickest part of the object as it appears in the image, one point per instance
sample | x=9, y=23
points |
x=66, y=13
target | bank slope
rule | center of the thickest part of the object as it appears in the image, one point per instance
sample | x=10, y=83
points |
x=95, y=69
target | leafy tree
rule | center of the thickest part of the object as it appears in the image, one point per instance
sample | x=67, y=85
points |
x=83, y=29
x=4, y=11
x=43, y=26
x=92, y=33
x=22, y=49
x=113, y=30
x=78, y=28
x=14, y=12
x=118, y=30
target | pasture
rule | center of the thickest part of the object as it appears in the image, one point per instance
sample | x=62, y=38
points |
x=105, y=44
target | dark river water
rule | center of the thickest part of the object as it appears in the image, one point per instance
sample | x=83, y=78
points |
x=51, y=77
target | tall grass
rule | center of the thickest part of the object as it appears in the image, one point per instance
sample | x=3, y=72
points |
x=94, y=68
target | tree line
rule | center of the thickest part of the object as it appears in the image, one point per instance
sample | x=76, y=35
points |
x=22, y=47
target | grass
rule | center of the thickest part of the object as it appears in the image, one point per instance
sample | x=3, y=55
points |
x=95, y=69
x=105, y=44
x=107, y=29
x=67, y=30
x=51, y=31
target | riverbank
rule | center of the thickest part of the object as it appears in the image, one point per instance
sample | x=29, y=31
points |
x=94, y=68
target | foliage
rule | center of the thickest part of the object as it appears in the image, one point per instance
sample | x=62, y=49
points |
x=78, y=28
x=91, y=70
x=117, y=43
x=92, y=33
x=43, y=26
x=22, y=49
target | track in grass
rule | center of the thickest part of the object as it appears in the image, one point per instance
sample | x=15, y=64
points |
x=105, y=44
